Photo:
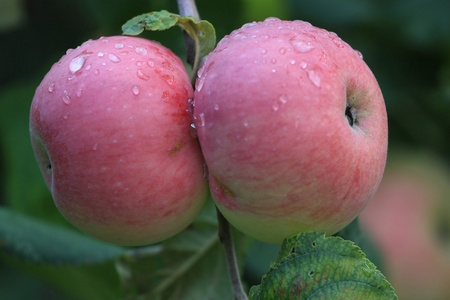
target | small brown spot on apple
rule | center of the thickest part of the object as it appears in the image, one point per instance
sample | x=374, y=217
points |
x=224, y=188
x=176, y=149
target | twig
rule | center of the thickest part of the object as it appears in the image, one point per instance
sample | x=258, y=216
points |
x=189, y=9
x=227, y=241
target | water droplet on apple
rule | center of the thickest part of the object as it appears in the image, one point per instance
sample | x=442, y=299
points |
x=95, y=147
x=135, y=90
x=118, y=46
x=264, y=51
x=245, y=123
x=170, y=80
x=88, y=67
x=282, y=50
x=193, y=131
x=51, y=87
x=165, y=96
x=141, y=51
x=216, y=106
x=66, y=98
x=292, y=61
x=202, y=119
x=301, y=46
x=303, y=65
x=79, y=92
x=199, y=83
x=359, y=54
x=68, y=51
x=275, y=106
x=96, y=72
x=100, y=54
x=142, y=75
x=283, y=99
x=273, y=60
x=314, y=77
x=271, y=19
x=114, y=58
x=248, y=25
x=77, y=63
x=66, y=116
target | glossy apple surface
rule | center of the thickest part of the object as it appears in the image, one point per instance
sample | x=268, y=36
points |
x=293, y=128
x=409, y=221
x=110, y=130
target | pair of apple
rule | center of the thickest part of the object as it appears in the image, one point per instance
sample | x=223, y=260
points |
x=291, y=127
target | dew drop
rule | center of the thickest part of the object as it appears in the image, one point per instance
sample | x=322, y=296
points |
x=202, y=119
x=167, y=65
x=142, y=75
x=66, y=116
x=113, y=58
x=165, y=96
x=95, y=147
x=359, y=54
x=245, y=123
x=248, y=25
x=199, y=83
x=303, y=65
x=88, y=67
x=271, y=19
x=283, y=99
x=301, y=46
x=100, y=54
x=314, y=77
x=79, y=92
x=216, y=106
x=96, y=72
x=282, y=50
x=275, y=106
x=77, y=63
x=70, y=50
x=150, y=63
x=135, y=90
x=66, y=98
x=141, y=51
x=292, y=61
x=118, y=46
x=273, y=60
x=264, y=51
x=51, y=87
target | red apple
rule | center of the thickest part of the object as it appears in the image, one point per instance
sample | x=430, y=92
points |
x=110, y=129
x=293, y=129
x=408, y=219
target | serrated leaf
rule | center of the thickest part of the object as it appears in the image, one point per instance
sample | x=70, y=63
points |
x=190, y=266
x=39, y=242
x=312, y=266
x=202, y=32
x=159, y=20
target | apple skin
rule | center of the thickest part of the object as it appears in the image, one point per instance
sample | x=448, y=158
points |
x=270, y=112
x=404, y=219
x=110, y=127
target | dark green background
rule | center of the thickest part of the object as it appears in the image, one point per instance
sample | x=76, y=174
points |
x=405, y=42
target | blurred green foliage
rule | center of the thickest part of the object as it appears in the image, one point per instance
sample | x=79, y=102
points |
x=405, y=42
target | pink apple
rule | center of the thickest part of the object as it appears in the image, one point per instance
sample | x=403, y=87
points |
x=110, y=129
x=405, y=218
x=293, y=128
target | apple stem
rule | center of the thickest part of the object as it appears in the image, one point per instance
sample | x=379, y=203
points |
x=189, y=9
x=226, y=238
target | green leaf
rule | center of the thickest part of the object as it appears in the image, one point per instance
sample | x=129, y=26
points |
x=190, y=266
x=40, y=242
x=202, y=32
x=312, y=266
